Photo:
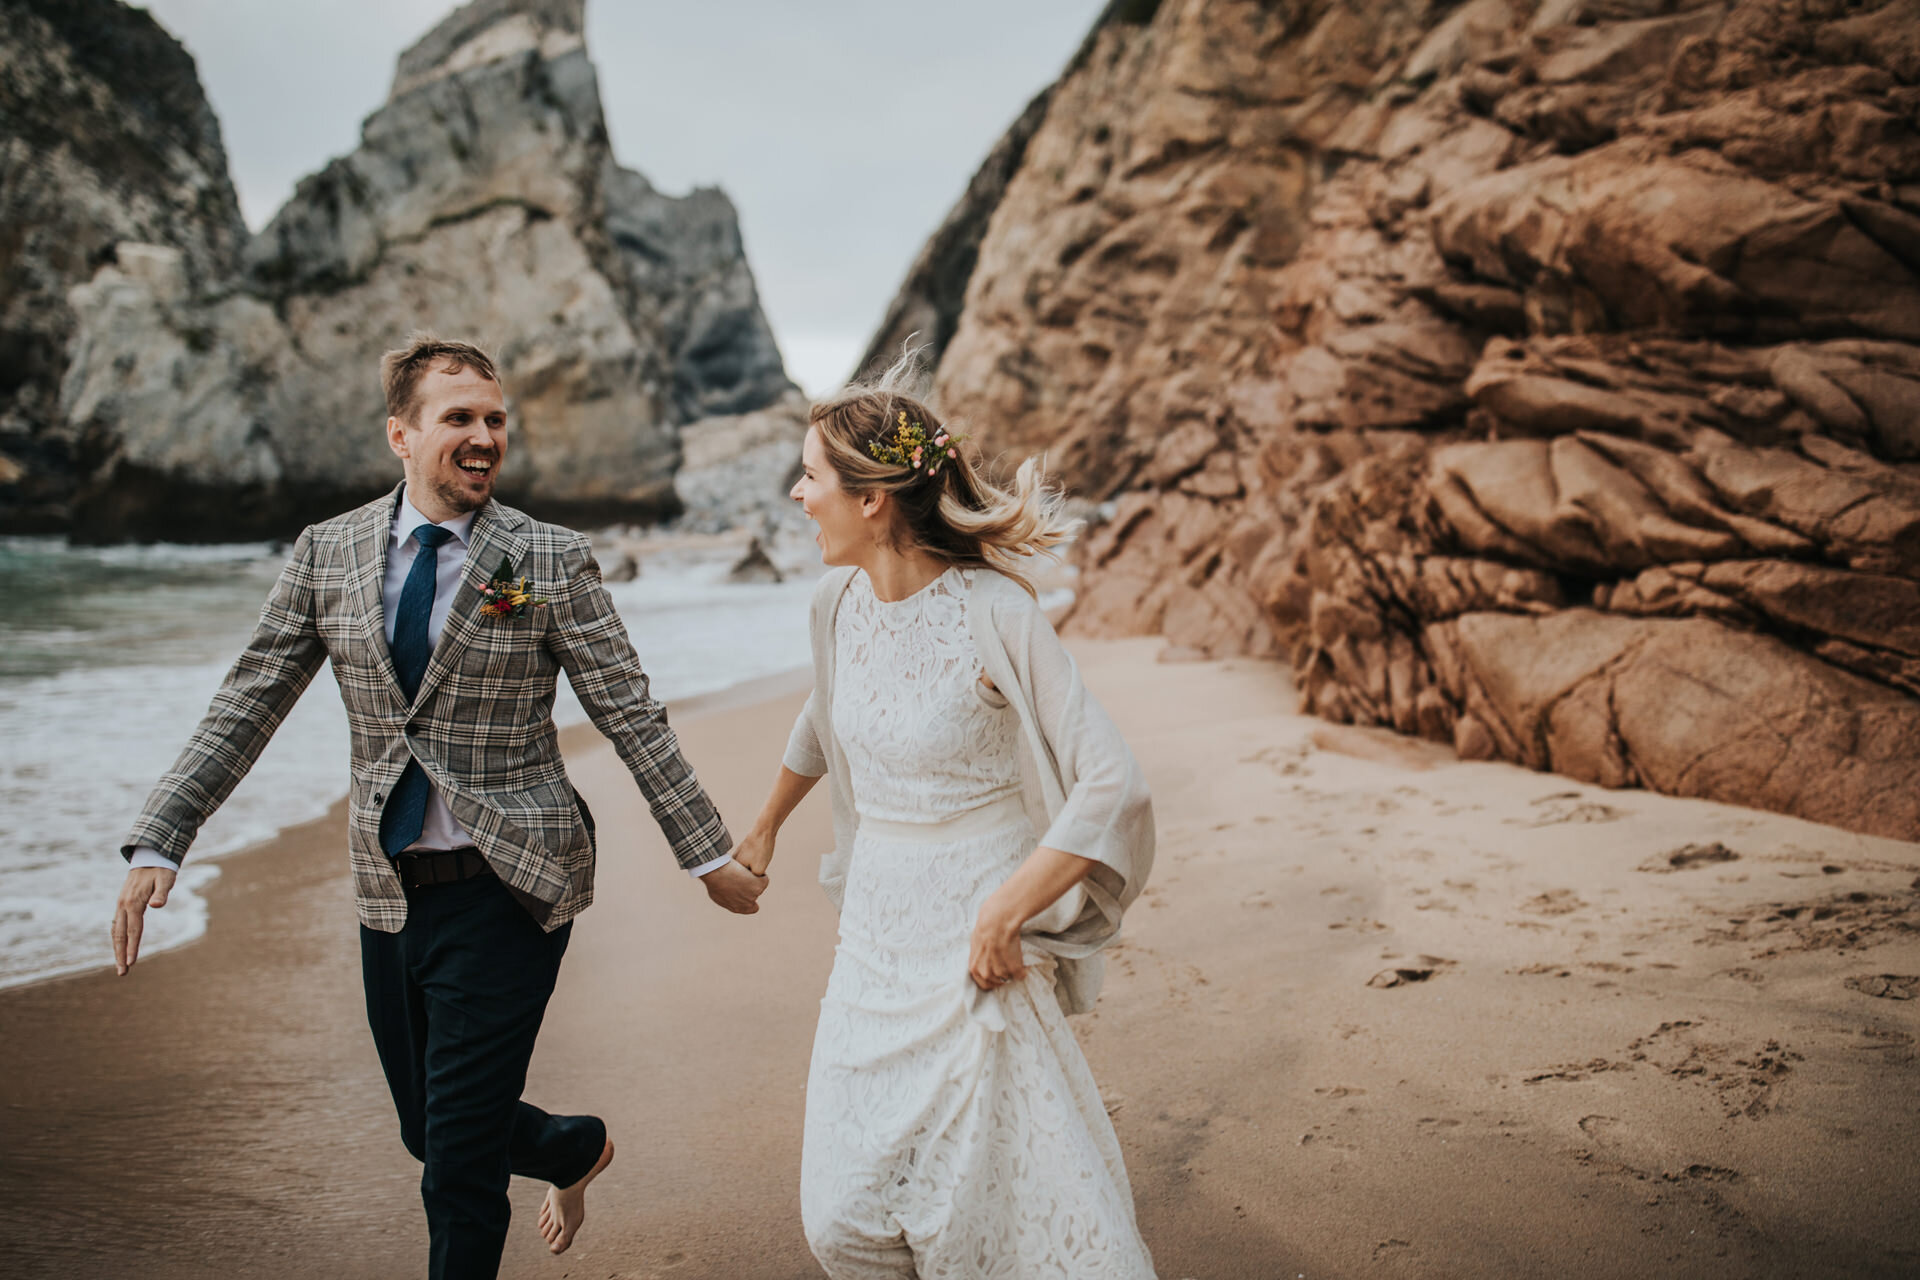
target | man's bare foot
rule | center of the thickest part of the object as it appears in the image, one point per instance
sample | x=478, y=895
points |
x=566, y=1207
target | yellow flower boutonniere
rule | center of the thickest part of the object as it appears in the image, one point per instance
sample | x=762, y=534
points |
x=507, y=596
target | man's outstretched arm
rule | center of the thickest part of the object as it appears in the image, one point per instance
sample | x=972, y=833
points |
x=276, y=667
x=591, y=643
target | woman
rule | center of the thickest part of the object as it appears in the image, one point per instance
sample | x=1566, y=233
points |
x=952, y=1125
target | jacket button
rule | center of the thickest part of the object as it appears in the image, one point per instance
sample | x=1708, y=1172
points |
x=378, y=798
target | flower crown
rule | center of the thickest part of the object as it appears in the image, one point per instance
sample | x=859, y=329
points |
x=911, y=448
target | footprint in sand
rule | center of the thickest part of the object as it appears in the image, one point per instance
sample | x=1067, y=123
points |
x=1689, y=856
x=1840, y=922
x=1554, y=902
x=1574, y=1072
x=1423, y=968
x=1745, y=1085
x=1886, y=986
x=1545, y=970
x=1568, y=806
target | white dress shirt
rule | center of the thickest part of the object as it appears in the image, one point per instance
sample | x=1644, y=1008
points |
x=439, y=829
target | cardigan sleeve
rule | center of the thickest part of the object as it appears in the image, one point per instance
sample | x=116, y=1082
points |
x=1107, y=815
x=804, y=754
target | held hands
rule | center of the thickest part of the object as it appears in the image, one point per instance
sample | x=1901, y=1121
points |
x=994, y=958
x=738, y=885
x=145, y=887
x=734, y=887
x=755, y=851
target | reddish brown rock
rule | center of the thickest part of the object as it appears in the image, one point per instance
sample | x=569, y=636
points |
x=1543, y=378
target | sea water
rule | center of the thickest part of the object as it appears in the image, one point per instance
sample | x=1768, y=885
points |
x=108, y=657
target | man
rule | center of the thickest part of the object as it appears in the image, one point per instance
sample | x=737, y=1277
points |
x=471, y=852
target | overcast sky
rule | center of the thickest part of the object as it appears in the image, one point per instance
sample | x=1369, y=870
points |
x=842, y=129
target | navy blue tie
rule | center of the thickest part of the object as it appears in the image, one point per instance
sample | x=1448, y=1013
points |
x=406, y=810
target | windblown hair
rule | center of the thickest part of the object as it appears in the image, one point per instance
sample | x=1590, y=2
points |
x=956, y=514
x=402, y=369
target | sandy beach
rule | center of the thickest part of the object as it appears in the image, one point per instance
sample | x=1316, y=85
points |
x=1380, y=1013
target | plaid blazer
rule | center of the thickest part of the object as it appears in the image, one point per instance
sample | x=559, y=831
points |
x=481, y=725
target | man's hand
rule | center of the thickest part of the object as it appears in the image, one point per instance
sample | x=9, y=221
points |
x=734, y=887
x=145, y=887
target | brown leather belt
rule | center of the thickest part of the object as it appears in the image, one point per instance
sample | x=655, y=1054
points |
x=440, y=866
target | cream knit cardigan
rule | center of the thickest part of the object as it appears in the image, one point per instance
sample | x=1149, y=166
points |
x=1081, y=784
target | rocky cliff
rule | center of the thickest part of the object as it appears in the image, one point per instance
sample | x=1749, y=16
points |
x=483, y=200
x=1541, y=378
x=105, y=136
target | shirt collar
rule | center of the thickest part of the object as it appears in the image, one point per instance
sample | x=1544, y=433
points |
x=407, y=518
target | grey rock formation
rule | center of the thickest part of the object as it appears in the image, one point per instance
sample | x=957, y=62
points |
x=736, y=471
x=483, y=201
x=105, y=136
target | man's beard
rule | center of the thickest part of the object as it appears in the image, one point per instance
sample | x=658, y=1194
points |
x=457, y=496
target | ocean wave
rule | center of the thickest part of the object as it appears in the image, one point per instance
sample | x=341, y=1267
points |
x=100, y=712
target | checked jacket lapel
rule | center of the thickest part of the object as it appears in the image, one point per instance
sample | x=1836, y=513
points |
x=368, y=562
x=495, y=535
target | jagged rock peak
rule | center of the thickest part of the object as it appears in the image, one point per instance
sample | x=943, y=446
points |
x=487, y=31
x=483, y=199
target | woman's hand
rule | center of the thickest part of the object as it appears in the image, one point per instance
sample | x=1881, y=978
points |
x=994, y=957
x=755, y=850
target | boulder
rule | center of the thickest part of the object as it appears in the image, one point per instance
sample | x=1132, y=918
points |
x=108, y=138
x=736, y=471
x=755, y=566
x=483, y=201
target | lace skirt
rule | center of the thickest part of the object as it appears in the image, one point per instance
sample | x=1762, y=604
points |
x=952, y=1132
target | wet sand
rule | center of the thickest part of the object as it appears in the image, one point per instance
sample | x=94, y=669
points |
x=1380, y=1014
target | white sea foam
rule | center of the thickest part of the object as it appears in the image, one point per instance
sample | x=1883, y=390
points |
x=101, y=683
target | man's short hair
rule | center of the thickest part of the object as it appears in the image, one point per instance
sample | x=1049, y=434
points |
x=402, y=369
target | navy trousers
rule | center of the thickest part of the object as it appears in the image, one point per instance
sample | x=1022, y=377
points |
x=455, y=1001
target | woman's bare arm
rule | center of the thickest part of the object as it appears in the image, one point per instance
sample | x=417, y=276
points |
x=756, y=847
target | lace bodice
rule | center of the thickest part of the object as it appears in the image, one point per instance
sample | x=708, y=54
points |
x=924, y=739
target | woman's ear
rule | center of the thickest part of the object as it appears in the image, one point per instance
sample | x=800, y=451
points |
x=872, y=503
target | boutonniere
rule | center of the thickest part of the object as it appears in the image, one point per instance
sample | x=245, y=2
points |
x=507, y=596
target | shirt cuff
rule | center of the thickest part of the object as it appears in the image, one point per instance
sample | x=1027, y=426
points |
x=145, y=857
x=715, y=864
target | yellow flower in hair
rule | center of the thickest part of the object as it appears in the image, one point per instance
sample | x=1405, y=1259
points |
x=913, y=449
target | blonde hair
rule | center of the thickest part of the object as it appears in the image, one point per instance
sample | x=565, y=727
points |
x=956, y=514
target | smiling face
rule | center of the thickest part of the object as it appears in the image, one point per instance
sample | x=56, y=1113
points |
x=453, y=443
x=850, y=524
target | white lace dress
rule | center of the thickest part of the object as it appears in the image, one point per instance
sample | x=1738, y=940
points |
x=949, y=1132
